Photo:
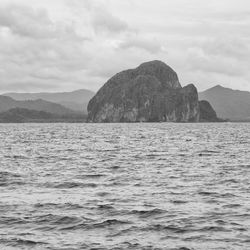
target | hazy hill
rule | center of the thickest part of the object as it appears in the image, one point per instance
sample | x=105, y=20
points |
x=20, y=115
x=228, y=103
x=75, y=100
x=7, y=103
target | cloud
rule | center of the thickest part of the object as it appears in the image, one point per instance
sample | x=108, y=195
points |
x=228, y=46
x=34, y=23
x=151, y=45
x=103, y=21
x=67, y=44
x=24, y=21
x=33, y=48
x=228, y=56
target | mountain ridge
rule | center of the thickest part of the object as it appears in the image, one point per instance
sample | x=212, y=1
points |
x=7, y=103
x=229, y=103
x=76, y=100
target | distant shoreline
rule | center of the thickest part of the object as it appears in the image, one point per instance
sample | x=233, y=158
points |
x=85, y=122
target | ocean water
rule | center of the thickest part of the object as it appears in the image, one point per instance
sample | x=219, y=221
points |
x=125, y=186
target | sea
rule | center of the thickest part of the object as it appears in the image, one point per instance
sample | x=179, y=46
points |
x=150, y=186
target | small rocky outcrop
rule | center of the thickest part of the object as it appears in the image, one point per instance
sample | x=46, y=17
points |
x=207, y=113
x=150, y=93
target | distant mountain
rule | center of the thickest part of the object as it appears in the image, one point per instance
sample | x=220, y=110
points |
x=228, y=103
x=7, y=103
x=75, y=100
x=20, y=115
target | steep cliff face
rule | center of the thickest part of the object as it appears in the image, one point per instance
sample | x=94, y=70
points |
x=149, y=93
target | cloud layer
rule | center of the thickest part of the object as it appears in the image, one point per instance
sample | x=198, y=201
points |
x=80, y=44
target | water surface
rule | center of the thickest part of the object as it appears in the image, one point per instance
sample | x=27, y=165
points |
x=125, y=186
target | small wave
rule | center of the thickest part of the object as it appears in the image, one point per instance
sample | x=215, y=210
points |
x=5, y=174
x=8, y=207
x=148, y=213
x=67, y=206
x=130, y=245
x=66, y=220
x=10, y=179
x=91, y=176
x=151, y=156
x=227, y=195
x=171, y=228
x=179, y=202
x=110, y=222
x=221, y=222
x=12, y=221
x=210, y=151
x=244, y=166
x=105, y=207
x=20, y=157
x=74, y=227
x=115, y=167
x=102, y=194
x=38, y=205
x=207, y=152
x=53, y=219
x=68, y=185
x=230, y=181
x=12, y=183
x=19, y=242
x=232, y=206
x=214, y=229
x=114, y=183
x=29, y=242
x=207, y=193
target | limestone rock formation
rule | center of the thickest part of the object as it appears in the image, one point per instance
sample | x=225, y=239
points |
x=150, y=93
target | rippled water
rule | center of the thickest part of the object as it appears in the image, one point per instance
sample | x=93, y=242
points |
x=125, y=186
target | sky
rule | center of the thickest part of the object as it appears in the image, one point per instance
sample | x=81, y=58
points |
x=64, y=45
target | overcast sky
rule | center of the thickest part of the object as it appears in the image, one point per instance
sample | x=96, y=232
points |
x=61, y=45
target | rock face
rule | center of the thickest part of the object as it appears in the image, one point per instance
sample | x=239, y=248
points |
x=207, y=113
x=150, y=93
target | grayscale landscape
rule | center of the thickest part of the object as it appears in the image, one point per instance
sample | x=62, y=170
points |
x=124, y=125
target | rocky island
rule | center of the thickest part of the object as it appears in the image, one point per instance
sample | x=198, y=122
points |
x=149, y=93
